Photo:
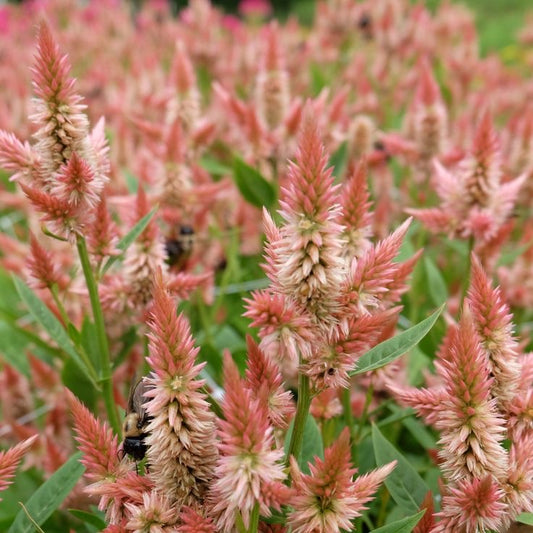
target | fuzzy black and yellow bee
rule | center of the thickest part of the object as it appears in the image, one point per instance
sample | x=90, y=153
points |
x=179, y=248
x=135, y=422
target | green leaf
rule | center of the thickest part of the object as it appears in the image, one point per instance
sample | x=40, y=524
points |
x=338, y=159
x=214, y=166
x=404, y=483
x=130, y=237
x=312, y=443
x=89, y=342
x=49, y=496
x=525, y=518
x=13, y=348
x=436, y=285
x=48, y=321
x=389, y=350
x=405, y=525
x=79, y=383
x=96, y=520
x=254, y=188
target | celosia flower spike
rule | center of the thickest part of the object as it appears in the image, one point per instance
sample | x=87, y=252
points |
x=181, y=434
x=474, y=506
x=327, y=500
x=264, y=380
x=472, y=428
x=63, y=127
x=356, y=216
x=492, y=319
x=308, y=261
x=249, y=468
x=43, y=270
x=10, y=459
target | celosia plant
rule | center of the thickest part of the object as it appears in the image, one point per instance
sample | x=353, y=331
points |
x=216, y=314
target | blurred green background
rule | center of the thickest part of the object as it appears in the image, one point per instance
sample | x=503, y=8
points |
x=497, y=20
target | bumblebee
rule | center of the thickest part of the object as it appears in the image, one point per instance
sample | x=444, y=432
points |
x=134, y=426
x=179, y=249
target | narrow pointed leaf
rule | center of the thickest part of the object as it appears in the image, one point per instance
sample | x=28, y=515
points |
x=48, y=321
x=404, y=483
x=254, y=188
x=525, y=518
x=49, y=496
x=312, y=444
x=130, y=237
x=405, y=525
x=389, y=350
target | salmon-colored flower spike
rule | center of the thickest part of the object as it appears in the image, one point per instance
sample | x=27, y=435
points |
x=520, y=414
x=183, y=284
x=248, y=463
x=472, y=430
x=186, y=103
x=97, y=443
x=101, y=457
x=272, y=85
x=427, y=521
x=474, y=201
x=473, y=506
x=430, y=118
x=63, y=127
x=492, y=319
x=143, y=257
x=519, y=484
x=263, y=378
x=330, y=364
x=370, y=277
x=192, y=522
x=286, y=331
x=309, y=266
x=44, y=272
x=327, y=500
x=21, y=158
x=63, y=218
x=356, y=217
x=154, y=514
x=9, y=461
x=181, y=435
x=74, y=183
x=102, y=233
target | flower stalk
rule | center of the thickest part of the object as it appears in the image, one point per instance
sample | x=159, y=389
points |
x=302, y=410
x=105, y=379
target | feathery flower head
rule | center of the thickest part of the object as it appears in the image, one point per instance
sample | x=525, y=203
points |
x=285, y=329
x=492, y=320
x=63, y=127
x=263, y=378
x=329, y=498
x=10, y=459
x=356, y=217
x=272, y=85
x=181, y=435
x=43, y=270
x=154, y=514
x=309, y=266
x=473, y=506
x=192, y=522
x=430, y=117
x=474, y=201
x=519, y=484
x=472, y=429
x=248, y=464
x=371, y=277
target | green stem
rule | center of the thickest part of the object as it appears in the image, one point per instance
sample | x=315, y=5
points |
x=364, y=415
x=466, y=283
x=302, y=410
x=62, y=312
x=105, y=360
x=254, y=519
x=348, y=419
